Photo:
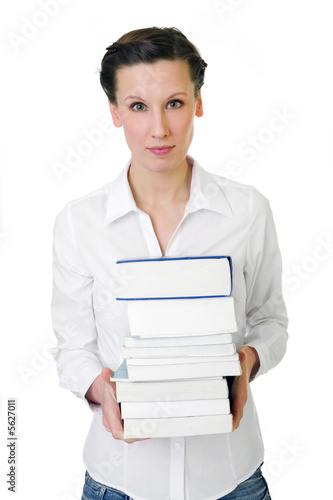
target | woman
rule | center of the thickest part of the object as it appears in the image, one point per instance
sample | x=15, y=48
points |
x=163, y=204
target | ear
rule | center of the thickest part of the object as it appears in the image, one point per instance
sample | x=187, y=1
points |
x=115, y=118
x=199, y=107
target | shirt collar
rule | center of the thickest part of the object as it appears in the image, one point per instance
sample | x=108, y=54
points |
x=120, y=197
x=206, y=193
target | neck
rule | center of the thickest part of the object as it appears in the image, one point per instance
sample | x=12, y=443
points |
x=158, y=189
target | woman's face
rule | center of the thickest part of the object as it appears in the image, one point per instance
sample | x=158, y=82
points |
x=156, y=106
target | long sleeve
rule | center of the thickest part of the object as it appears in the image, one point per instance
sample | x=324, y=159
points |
x=76, y=354
x=266, y=314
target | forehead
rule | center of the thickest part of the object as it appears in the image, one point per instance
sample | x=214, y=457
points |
x=158, y=77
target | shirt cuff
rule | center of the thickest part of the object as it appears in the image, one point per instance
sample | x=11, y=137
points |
x=263, y=355
x=86, y=377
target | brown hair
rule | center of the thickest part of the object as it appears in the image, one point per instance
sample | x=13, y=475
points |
x=148, y=45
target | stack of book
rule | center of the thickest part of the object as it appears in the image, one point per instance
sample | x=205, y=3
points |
x=179, y=351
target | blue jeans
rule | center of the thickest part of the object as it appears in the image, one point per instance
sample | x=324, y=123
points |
x=92, y=490
x=254, y=488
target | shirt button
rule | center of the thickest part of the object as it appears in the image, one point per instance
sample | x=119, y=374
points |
x=177, y=446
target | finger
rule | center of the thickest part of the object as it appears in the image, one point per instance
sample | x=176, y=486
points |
x=238, y=402
x=112, y=418
x=238, y=399
x=242, y=356
x=115, y=428
x=237, y=411
x=129, y=441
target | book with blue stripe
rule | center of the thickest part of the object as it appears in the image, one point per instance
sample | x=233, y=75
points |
x=175, y=278
x=181, y=317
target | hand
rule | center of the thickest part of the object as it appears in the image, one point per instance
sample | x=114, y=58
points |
x=103, y=391
x=250, y=363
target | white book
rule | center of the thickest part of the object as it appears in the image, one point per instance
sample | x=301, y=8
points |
x=181, y=360
x=169, y=408
x=219, y=338
x=166, y=277
x=183, y=370
x=176, y=426
x=177, y=317
x=173, y=390
x=181, y=351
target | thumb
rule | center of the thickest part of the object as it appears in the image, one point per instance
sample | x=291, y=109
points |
x=242, y=356
x=106, y=374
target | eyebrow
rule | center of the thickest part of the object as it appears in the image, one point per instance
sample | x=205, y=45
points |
x=140, y=98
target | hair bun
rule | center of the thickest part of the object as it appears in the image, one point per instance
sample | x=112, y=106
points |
x=112, y=48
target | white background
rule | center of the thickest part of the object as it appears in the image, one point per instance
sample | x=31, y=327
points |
x=263, y=57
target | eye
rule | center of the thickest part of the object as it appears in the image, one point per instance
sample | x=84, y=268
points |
x=138, y=106
x=175, y=104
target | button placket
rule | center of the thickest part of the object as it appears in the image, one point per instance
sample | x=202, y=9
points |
x=177, y=464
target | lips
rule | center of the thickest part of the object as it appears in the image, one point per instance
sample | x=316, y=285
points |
x=161, y=150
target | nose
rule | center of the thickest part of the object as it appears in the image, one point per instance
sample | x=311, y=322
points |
x=159, y=125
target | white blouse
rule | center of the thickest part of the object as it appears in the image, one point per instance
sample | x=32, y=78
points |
x=91, y=234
